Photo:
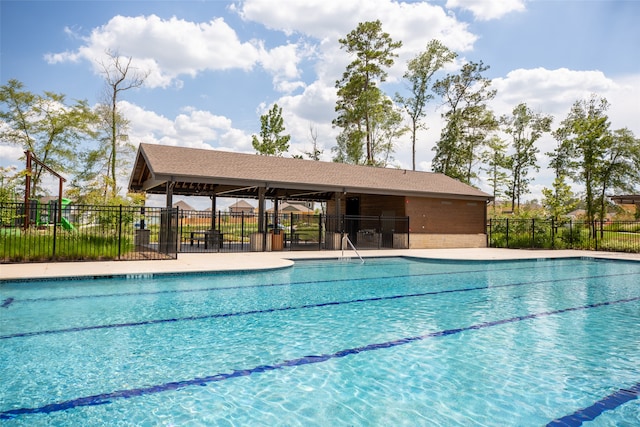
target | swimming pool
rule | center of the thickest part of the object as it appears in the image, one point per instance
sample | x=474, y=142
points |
x=394, y=341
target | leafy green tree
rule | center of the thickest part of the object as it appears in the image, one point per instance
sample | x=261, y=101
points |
x=559, y=200
x=588, y=145
x=349, y=148
x=468, y=121
x=94, y=182
x=45, y=125
x=386, y=128
x=620, y=168
x=358, y=93
x=420, y=71
x=119, y=76
x=525, y=127
x=271, y=141
x=495, y=165
x=8, y=178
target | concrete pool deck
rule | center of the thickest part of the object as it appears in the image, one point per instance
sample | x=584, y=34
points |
x=190, y=263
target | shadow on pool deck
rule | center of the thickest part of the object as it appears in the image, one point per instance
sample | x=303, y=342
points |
x=269, y=260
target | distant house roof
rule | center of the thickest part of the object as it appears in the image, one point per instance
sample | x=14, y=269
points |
x=207, y=172
x=183, y=206
x=241, y=206
x=295, y=207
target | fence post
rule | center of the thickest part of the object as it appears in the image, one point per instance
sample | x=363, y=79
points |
x=291, y=231
x=320, y=232
x=55, y=229
x=533, y=232
x=490, y=233
x=507, y=239
x=119, y=231
x=553, y=234
x=242, y=230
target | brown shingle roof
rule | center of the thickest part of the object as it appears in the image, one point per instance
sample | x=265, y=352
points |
x=198, y=171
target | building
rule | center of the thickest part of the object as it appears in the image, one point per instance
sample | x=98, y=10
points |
x=242, y=207
x=442, y=212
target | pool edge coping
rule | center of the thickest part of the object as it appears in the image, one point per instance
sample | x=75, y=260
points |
x=265, y=261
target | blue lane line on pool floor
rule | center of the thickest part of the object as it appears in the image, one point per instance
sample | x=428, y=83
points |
x=290, y=308
x=269, y=285
x=609, y=403
x=106, y=398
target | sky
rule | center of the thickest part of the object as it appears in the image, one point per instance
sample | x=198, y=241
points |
x=215, y=66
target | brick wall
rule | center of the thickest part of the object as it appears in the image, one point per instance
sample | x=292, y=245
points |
x=442, y=216
x=447, y=241
x=433, y=222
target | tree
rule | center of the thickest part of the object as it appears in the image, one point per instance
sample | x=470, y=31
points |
x=495, y=164
x=95, y=182
x=119, y=76
x=315, y=152
x=525, y=127
x=620, y=168
x=386, y=127
x=349, y=148
x=468, y=121
x=559, y=200
x=585, y=140
x=271, y=142
x=46, y=126
x=8, y=178
x=358, y=93
x=420, y=71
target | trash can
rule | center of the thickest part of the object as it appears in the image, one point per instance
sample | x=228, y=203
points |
x=256, y=242
x=276, y=241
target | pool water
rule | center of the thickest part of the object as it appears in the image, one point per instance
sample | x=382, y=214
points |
x=393, y=341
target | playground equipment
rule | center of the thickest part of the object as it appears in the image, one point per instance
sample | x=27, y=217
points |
x=46, y=214
x=55, y=208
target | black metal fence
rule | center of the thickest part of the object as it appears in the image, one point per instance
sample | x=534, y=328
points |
x=614, y=236
x=91, y=233
x=85, y=233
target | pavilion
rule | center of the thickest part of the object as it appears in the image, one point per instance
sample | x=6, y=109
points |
x=441, y=211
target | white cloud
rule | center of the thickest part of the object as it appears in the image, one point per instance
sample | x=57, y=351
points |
x=282, y=62
x=327, y=20
x=485, y=10
x=551, y=90
x=192, y=128
x=168, y=49
x=9, y=155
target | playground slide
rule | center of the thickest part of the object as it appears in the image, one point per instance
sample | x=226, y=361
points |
x=66, y=224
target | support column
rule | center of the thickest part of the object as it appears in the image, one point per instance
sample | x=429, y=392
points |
x=169, y=191
x=261, y=225
x=213, y=212
x=168, y=234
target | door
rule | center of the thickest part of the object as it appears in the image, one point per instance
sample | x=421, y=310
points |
x=352, y=223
